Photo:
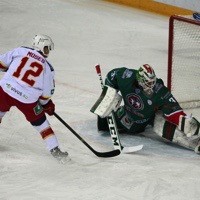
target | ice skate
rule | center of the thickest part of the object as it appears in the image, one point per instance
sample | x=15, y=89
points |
x=62, y=157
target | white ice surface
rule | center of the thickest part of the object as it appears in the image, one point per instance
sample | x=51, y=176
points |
x=87, y=32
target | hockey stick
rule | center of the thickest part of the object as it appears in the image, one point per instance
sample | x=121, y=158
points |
x=99, y=154
x=113, y=127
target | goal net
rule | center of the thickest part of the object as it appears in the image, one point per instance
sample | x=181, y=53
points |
x=184, y=60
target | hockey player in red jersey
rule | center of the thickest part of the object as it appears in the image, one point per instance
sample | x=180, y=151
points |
x=147, y=101
x=28, y=84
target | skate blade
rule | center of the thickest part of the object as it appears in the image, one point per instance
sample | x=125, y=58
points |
x=64, y=160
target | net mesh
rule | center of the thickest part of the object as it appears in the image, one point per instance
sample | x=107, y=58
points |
x=185, y=66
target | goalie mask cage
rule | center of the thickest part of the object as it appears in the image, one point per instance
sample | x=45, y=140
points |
x=184, y=60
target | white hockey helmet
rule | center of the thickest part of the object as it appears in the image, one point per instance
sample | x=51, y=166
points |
x=146, y=78
x=41, y=41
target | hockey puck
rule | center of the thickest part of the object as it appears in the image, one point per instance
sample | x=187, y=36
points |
x=196, y=16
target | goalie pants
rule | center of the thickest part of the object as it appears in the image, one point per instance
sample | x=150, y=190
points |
x=34, y=114
x=130, y=125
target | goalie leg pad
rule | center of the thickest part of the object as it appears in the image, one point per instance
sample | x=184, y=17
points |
x=188, y=142
x=168, y=130
x=108, y=101
x=163, y=128
x=172, y=133
x=197, y=148
x=188, y=125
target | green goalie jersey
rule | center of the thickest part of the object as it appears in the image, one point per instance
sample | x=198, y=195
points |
x=139, y=109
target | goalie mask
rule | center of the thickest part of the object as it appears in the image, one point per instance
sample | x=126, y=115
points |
x=146, y=78
x=43, y=43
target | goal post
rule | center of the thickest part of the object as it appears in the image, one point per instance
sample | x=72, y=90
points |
x=183, y=78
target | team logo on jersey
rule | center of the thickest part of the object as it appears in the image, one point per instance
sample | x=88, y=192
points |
x=38, y=109
x=135, y=101
x=113, y=74
x=127, y=74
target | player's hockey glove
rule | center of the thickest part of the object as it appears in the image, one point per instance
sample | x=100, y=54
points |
x=49, y=108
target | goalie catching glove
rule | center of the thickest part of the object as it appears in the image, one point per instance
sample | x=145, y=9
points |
x=108, y=101
x=188, y=125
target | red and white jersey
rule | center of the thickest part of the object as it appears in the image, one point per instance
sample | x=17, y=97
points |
x=29, y=77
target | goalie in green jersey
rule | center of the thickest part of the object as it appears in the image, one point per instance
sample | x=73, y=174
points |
x=146, y=101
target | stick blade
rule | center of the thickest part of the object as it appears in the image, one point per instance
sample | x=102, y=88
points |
x=108, y=154
x=132, y=149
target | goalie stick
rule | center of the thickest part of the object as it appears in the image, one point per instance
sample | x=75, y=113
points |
x=113, y=127
x=99, y=154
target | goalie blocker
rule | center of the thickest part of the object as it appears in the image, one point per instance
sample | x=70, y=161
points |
x=108, y=101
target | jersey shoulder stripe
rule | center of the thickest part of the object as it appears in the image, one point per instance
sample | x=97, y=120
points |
x=50, y=66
